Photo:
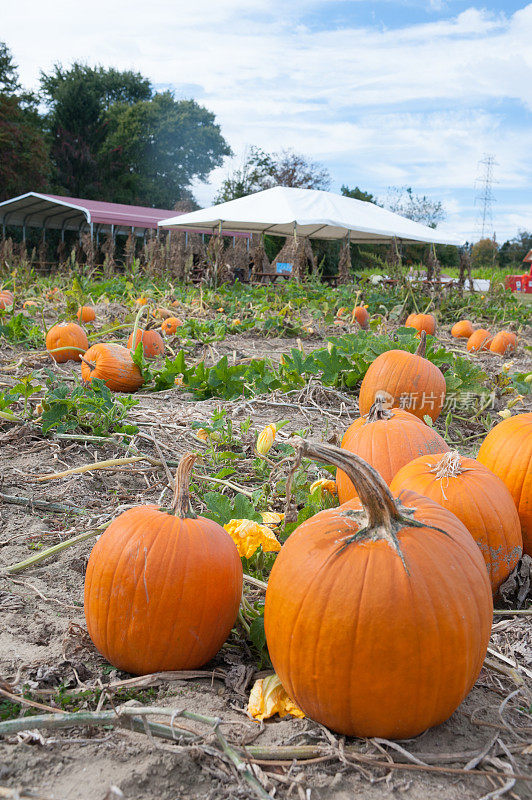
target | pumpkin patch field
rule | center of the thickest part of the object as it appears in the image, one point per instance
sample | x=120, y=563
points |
x=268, y=541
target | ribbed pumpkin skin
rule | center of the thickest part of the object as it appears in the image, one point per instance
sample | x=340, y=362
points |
x=6, y=298
x=480, y=500
x=507, y=451
x=387, y=445
x=66, y=334
x=422, y=322
x=114, y=366
x=401, y=373
x=479, y=340
x=365, y=648
x=161, y=593
x=152, y=342
x=462, y=329
x=503, y=342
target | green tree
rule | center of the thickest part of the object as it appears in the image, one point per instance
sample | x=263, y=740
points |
x=484, y=253
x=260, y=170
x=9, y=83
x=513, y=251
x=24, y=164
x=78, y=101
x=358, y=194
x=155, y=148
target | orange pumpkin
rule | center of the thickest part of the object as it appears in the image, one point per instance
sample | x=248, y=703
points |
x=361, y=315
x=479, y=340
x=29, y=304
x=507, y=451
x=422, y=322
x=113, y=364
x=170, y=325
x=152, y=343
x=66, y=342
x=6, y=298
x=503, y=342
x=162, y=589
x=86, y=314
x=462, y=329
x=378, y=615
x=412, y=381
x=387, y=439
x=478, y=498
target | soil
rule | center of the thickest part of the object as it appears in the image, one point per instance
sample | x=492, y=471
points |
x=44, y=646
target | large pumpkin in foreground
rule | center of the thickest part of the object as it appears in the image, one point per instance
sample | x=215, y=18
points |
x=413, y=381
x=378, y=616
x=162, y=590
x=478, y=498
x=507, y=451
x=387, y=439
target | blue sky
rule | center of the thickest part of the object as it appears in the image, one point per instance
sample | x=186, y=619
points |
x=389, y=92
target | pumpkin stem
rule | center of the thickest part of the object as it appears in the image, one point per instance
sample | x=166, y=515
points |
x=381, y=408
x=90, y=365
x=181, y=503
x=450, y=466
x=373, y=492
x=422, y=347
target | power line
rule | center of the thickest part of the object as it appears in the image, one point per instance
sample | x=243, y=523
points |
x=484, y=197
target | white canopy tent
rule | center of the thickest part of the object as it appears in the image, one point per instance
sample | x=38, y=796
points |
x=283, y=211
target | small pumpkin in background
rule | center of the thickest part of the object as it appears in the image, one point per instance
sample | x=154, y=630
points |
x=409, y=378
x=478, y=498
x=507, y=452
x=112, y=364
x=170, y=325
x=387, y=438
x=86, y=314
x=152, y=342
x=163, y=313
x=54, y=294
x=378, y=615
x=361, y=315
x=462, y=329
x=422, y=322
x=479, y=340
x=503, y=342
x=29, y=304
x=66, y=341
x=162, y=589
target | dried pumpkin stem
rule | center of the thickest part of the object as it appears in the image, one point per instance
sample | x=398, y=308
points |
x=450, y=466
x=374, y=494
x=422, y=346
x=381, y=408
x=181, y=503
x=385, y=518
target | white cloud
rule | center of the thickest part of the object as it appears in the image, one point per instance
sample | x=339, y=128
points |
x=418, y=104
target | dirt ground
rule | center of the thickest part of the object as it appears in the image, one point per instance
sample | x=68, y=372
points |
x=44, y=645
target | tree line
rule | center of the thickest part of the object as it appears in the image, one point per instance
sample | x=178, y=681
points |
x=100, y=133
